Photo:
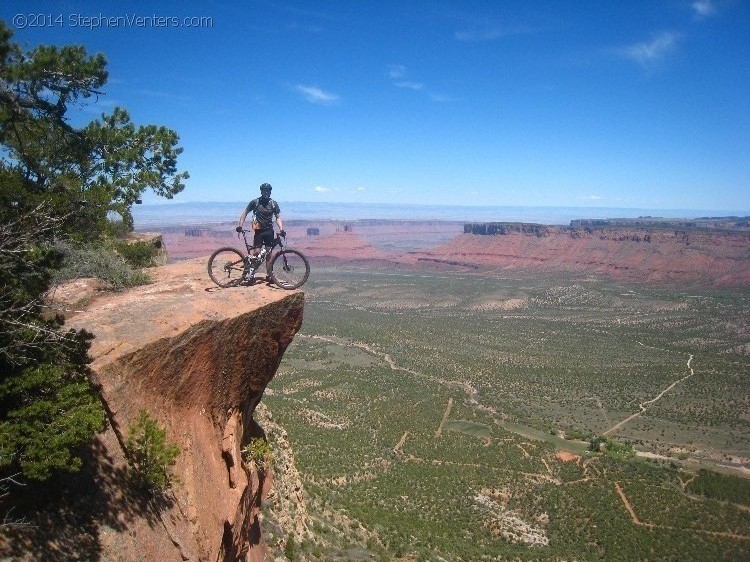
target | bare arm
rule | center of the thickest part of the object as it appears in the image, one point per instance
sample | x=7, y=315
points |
x=244, y=214
x=242, y=217
x=278, y=221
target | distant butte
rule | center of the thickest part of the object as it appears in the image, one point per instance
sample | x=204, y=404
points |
x=706, y=251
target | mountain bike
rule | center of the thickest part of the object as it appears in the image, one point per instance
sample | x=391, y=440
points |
x=287, y=268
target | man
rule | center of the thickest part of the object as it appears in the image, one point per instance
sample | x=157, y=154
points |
x=264, y=208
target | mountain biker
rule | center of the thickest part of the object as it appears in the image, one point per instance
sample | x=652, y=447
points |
x=264, y=209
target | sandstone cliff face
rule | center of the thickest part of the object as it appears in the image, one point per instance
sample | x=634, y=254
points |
x=645, y=253
x=651, y=255
x=198, y=359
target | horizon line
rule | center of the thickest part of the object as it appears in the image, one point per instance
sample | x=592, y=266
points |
x=737, y=213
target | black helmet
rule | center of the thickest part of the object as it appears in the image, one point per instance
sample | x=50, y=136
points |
x=265, y=186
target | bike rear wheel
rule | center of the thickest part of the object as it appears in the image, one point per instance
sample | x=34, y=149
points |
x=289, y=269
x=226, y=267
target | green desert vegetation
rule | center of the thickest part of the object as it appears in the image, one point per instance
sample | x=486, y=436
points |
x=259, y=451
x=100, y=261
x=448, y=417
x=61, y=181
x=150, y=456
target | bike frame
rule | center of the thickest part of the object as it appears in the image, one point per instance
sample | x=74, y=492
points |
x=250, y=259
x=277, y=241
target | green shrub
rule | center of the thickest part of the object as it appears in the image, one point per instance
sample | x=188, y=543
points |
x=51, y=411
x=720, y=487
x=610, y=447
x=578, y=435
x=100, y=262
x=259, y=451
x=138, y=254
x=117, y=228
x=290, y=548
x=149, y=455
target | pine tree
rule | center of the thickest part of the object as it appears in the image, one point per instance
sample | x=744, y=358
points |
x=58, y=182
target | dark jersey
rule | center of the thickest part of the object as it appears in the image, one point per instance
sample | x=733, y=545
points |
x=264, y=213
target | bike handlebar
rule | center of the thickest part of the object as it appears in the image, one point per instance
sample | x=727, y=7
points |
x=239, y=229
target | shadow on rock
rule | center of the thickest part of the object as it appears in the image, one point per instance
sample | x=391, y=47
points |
x=64, y=518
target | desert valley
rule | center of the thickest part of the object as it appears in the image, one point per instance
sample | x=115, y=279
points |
x=443, y=393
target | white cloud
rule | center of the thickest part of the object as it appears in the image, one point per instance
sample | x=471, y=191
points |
x=489, y=33
x=314, y=94
x=360, y=189
x=396, y=71
x=440, y=98
x=321, y=189
x=703, y=8
x=649, y=52
x=409, y=85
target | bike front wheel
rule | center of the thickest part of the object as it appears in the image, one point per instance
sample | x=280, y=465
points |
x=289, y=269
x=226, y=267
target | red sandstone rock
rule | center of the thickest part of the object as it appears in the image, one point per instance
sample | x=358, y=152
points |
x=635, y=254
x=715, y=258
x=198, y=358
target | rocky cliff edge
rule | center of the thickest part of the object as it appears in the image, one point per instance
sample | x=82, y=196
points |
x=198, y=359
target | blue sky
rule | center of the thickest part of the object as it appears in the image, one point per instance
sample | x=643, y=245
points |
x=590, y=103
